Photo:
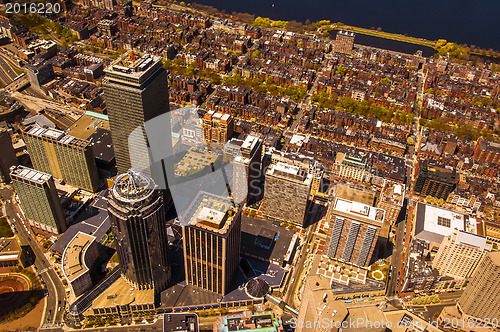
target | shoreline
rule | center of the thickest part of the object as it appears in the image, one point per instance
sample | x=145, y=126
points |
x=483, y=53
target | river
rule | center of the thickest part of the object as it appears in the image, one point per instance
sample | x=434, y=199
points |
x=459, y=21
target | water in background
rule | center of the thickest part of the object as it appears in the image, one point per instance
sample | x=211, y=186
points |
x=459, y=21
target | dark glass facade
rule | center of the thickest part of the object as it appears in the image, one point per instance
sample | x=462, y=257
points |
x=134, y=95
x=139, y=226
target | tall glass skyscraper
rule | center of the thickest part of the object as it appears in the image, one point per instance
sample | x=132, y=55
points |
x=136, y=91
x=138, y=223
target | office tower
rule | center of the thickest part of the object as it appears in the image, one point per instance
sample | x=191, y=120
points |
x=7, y=156
x=211, y=242
x=460, y=253
x=217, y=127
x=286, y=193
x=354, y=230
x=481, y=298
x=344, y=42
x=435, y=179
x=487, y=151
x=136, y=91
x=135, y=208
x=246, y=170
x=64, y=156
x=38, y=198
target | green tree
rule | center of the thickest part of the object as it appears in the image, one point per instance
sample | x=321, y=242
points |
x=262, y=22
x=340, y=70
x=385, y=81
x=255, y=54
x=279, y=24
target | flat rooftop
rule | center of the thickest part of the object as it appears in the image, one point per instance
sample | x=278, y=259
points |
x=403, y=320
x=73, y=261
x=185, y=322
x=212, y=212
x=121, y=293
x=86, y=125
x=316, y=306
x=102, y=145
x=55, y=134
x=495, y=257
x=183, y=295
x=472, y=240
x=434, y=223
x=354, y=194
x=325, y=267
x=31, y=174
x=297, y=139
x=251, y=229
x=357, y=209
x=286, y=168
x=250, y=142
x=9, y=249
x=133, y=66
x=194, y=161
x=289, y=172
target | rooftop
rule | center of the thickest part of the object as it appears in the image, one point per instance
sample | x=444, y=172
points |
x=133, y=66
x=9, y=249
x=132, y=186
x=73, y=261
x=211, y=212
x=94, y=221
x=56, y=135
x=186, y=322
x=279, y=238
x=290, y=172
x=120, y=293
x=102, y=145
x=489, y=145
x=30, y=174
x=471, y=240
x=86, y=125
x=434, y=223
x=248, y=321
x=357, y=209
x=495, y=257
x=355, y=194
x=250, y=142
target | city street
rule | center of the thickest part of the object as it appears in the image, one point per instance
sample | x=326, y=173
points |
x=396, y=259
x=290, y=296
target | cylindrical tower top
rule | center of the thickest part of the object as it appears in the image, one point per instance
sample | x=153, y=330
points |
x=133, y=187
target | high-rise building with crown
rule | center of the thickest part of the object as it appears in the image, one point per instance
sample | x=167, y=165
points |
x=138, y=223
